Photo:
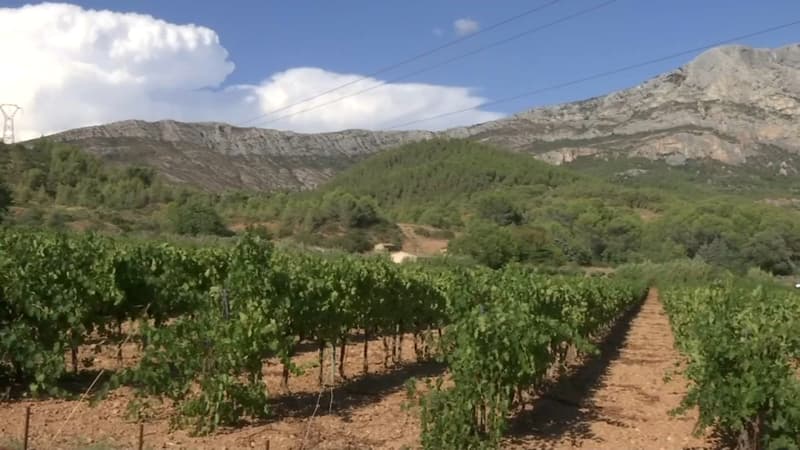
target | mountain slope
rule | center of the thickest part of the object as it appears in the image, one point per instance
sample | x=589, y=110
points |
x=733, y=106
x=219, y=156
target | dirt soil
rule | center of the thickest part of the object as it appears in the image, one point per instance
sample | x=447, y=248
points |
x=367, y=411
x=417, y=244
x=615, y=400
x=619, y=399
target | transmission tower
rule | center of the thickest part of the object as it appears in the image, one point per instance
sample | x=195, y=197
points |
x=9, y=111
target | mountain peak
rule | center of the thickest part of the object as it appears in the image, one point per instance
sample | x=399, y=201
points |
x=742, y=74
x=733, y=104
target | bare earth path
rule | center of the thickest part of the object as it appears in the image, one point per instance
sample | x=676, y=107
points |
x=620, y=399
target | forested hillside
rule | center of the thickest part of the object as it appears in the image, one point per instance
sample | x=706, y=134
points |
x=511, y=207
x=496, y=206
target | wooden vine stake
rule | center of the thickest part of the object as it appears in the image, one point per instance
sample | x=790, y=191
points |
x=27, y=427
x=141, y=436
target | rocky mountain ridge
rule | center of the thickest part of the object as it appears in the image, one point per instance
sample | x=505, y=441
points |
x=734, y=104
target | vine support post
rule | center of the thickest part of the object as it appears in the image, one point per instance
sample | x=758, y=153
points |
x=27, y=427
x=400, y=344
x=366, y=344
x=141, y=436
x=321, y=362
x=333, y=374
x=119, y=344
x=394, y=347
x=285, y=377
x=342, y=355
x=73, y=347
x=386, y=354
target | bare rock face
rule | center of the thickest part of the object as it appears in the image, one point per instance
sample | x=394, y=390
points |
x=219, y=156
x=727, y=105
x=733, y=104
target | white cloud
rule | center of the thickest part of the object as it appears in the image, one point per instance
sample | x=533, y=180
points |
x=465, y=26
x=379, y=108
x=76, y=67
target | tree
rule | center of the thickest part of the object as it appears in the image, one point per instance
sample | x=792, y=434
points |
x=499, y=209
x=768, y=250
x=5, y=200
x=194, y=217
x=488, y=244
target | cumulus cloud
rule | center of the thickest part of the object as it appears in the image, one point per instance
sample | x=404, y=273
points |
x=465, y=26
x=77, y=67
x=379, y=108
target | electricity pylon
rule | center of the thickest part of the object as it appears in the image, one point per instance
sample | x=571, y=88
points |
x=9, y=111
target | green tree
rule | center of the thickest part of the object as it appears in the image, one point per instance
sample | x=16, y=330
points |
x=768, y=250
x=499, y=209
x=488, y=244
x=5, y=200
x=194, y=217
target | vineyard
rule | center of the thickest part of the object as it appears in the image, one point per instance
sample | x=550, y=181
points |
x=207, y=320
x=743, y=347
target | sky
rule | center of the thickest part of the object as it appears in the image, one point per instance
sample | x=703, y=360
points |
x=249, y=62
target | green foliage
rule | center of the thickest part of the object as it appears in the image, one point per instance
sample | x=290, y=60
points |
x=53, y=291
x=221, y=345
x=440, y=170
x=195, y=217
x=498, y=209
x=544, y=214
x=677, y=272
x=508, y=328
x=743, y=346
x=496, y=246
x=53, y=176
x=5, y=199
x=488, y=244
x=209, y=316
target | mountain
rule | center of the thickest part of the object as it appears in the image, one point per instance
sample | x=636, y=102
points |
x=734, y=106
x=220, y=156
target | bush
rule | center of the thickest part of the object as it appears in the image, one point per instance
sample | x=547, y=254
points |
x=354, y=241
x=30, y=217
x=5, y=200
x=499, y=209
x=434, y=234
x=56, y=219
x=193, y=217
x=488, y=244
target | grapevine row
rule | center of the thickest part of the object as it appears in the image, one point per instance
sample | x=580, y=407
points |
x=506, y=342
x=208, y=319
x=743, y=348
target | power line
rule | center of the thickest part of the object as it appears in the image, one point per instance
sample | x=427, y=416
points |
x=410, y=59
x=599, y=75
x=445, y=62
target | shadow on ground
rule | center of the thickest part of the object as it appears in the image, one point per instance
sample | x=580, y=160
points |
x=564, y=410
x=353, y=393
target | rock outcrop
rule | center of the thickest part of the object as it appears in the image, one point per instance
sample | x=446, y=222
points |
x=735, y=105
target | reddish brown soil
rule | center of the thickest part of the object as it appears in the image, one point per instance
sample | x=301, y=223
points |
x=417, y=244
x=367, y=411
x=616, y=400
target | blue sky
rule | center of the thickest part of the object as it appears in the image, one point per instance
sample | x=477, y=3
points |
x=263, y=38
